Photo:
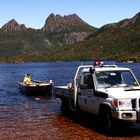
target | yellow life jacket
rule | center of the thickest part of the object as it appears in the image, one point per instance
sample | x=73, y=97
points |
x=27, y=80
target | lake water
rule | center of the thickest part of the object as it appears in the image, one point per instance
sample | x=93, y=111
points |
x=24, y=117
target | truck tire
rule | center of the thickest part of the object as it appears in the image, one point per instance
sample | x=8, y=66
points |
x=65, y=106
x=106, y=123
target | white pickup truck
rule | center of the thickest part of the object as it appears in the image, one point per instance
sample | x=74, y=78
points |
x=108, y=91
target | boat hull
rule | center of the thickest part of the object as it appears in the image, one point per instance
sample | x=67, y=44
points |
x=36, y=89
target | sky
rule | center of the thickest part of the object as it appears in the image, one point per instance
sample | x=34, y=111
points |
x=97, y=13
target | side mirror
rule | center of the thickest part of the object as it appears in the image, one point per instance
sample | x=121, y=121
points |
x=83, y=86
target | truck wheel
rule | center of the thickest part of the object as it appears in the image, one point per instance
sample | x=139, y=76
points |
x=65, y=107
x=106, y=120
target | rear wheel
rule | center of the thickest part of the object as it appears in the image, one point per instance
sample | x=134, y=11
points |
x=65, y=108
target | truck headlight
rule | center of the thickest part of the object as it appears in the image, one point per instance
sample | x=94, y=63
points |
x=126, y=103
x=122, y=104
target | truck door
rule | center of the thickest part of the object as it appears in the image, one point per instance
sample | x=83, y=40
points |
x=86, y=97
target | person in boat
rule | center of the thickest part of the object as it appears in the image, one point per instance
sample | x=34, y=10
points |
x=27, y=79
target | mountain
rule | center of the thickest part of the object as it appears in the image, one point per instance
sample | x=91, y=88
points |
x=12, y=25
x=70, y=38
x=67, y=29
x=19, y=43
x=57, y=23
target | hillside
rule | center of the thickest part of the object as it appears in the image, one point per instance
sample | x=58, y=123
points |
x=70, y=38
x=119, y=40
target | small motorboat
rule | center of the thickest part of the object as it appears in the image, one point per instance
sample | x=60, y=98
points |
x=36, y=88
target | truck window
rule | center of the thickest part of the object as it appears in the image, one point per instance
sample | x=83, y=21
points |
x=113, y=78
x=107, y=78
x=128, y=78
x=88, y=80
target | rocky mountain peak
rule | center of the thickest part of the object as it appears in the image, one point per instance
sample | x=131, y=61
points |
x=57, y=23
x=13, y=25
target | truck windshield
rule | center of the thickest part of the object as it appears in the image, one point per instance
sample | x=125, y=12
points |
x=115, y=78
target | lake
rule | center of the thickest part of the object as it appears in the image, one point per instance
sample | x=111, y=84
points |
x=24, y=117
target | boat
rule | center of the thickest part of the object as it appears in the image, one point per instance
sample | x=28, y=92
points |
x=36, y=88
